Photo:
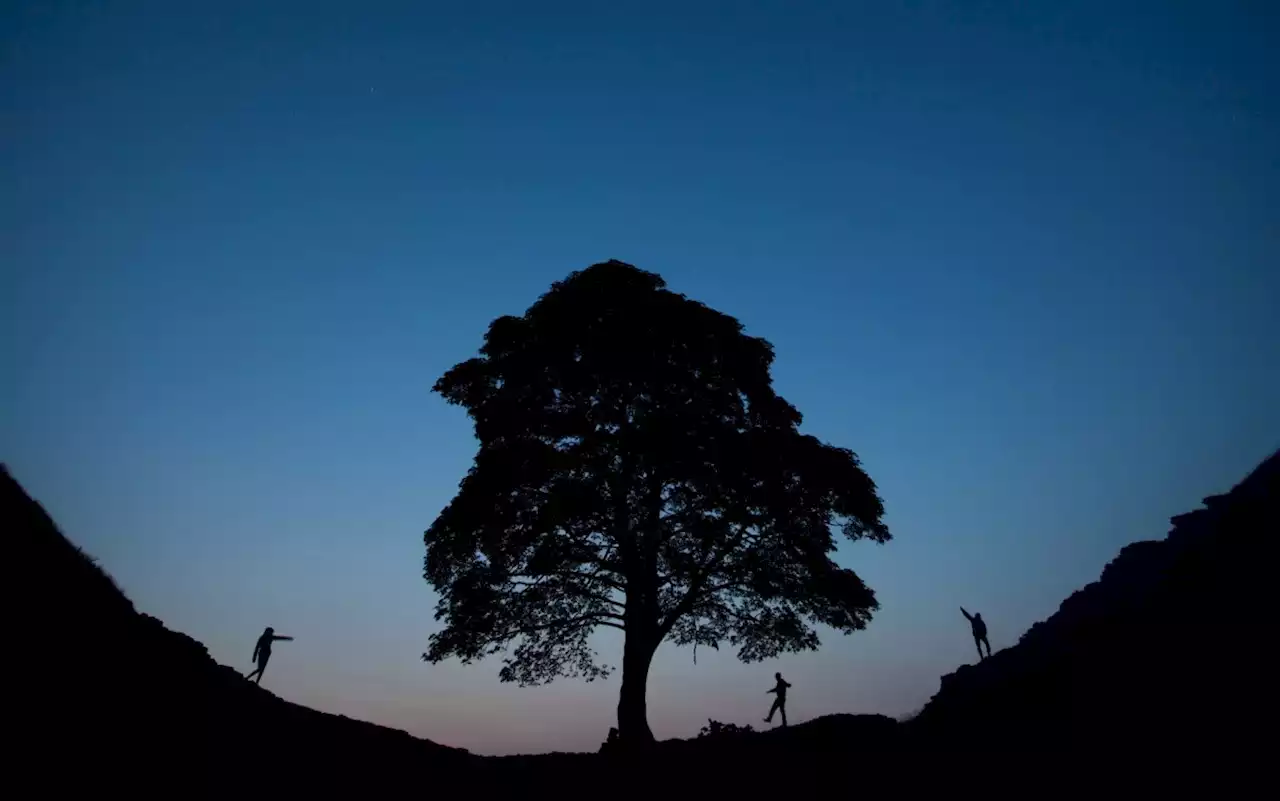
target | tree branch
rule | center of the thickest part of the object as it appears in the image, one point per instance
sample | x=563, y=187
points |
x=743, y=616
x=726, y=585
x=603, y=563
x=695, y=584
x=568, y=624
x=570, y=588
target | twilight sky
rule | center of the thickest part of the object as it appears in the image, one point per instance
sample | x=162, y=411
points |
x=1021, y=257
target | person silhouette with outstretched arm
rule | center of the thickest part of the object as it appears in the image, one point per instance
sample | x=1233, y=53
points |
x=262, y=651
x=780, y=701
x=979, y=627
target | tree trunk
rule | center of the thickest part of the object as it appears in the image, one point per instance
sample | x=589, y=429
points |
x=633, y=715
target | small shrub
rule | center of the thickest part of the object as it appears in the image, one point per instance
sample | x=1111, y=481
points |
x=715, y=728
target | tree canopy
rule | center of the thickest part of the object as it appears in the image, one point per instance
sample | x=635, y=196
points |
x=637, y=470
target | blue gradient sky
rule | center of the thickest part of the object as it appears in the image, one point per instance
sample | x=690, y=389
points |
x=1021, y=257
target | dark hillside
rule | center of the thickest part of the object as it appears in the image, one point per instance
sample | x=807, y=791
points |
x=131, y=704
x=1168, y=648
x=1163, y=654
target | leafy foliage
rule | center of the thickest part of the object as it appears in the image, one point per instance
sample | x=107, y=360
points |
x=636, y=470
x=715, y=728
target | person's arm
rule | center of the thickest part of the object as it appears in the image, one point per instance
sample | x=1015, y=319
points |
x=967, y=616
x=787, y=683
x=774, y=690
x=280, y=637
x=256, y=646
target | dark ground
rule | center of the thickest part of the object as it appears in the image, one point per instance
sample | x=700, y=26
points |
x=1155, y=676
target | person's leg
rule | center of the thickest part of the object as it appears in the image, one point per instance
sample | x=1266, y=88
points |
x=987, y=643
x=255, y=672
x=978, y=642
x=782, y=710
x=772, y=709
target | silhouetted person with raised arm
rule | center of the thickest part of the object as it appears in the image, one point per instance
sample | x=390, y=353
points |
x=262, y=651
x=779, y=702
x=979, y=627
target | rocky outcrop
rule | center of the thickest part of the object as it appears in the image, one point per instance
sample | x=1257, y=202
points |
x=1165, y=649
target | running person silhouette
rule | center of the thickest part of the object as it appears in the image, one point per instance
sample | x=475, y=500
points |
x=979, y=627
x=262, y=651
x=780, y=702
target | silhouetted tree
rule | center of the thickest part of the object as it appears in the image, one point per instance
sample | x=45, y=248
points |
x=637, y=470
